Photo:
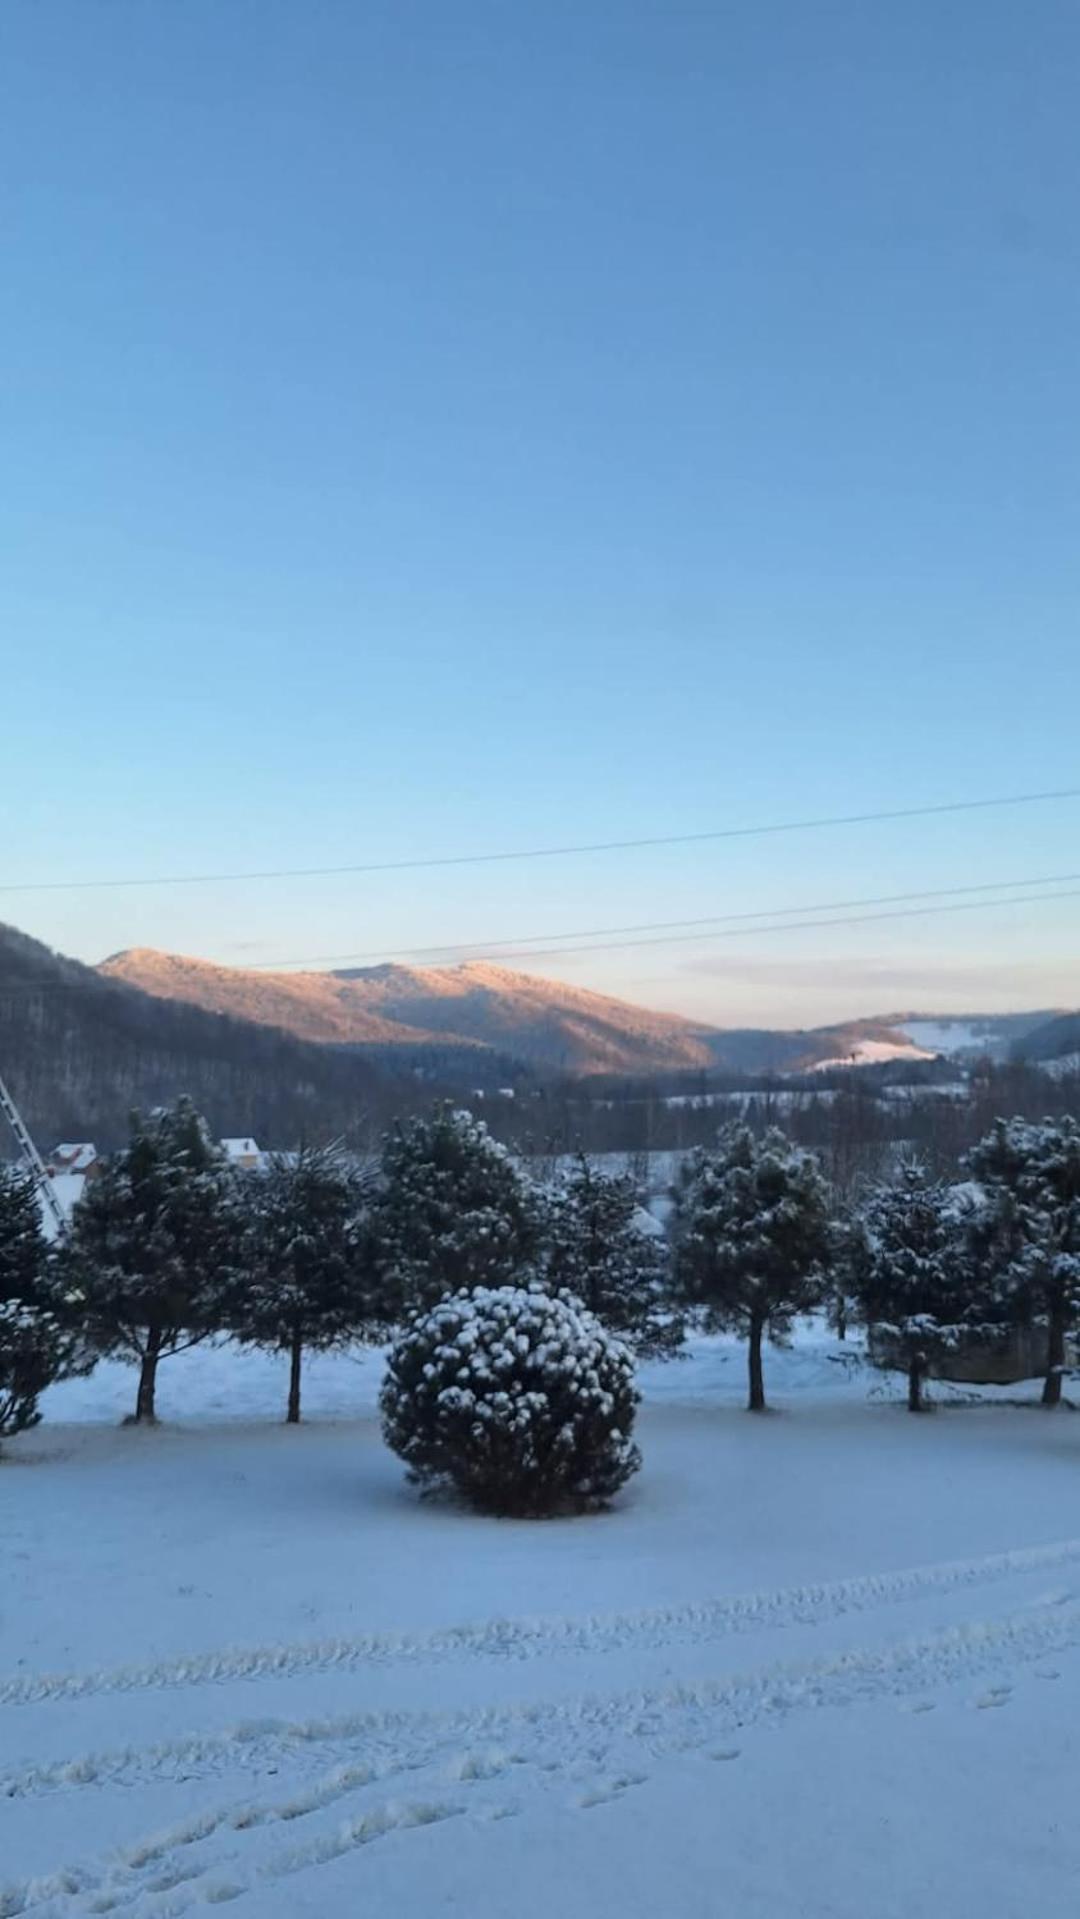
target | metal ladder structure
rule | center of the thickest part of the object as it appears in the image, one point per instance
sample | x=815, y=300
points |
x=34, y=1162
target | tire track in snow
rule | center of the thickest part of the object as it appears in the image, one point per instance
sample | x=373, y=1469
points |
x=533, y=1638
x=399, y=1739
x=548, y=1739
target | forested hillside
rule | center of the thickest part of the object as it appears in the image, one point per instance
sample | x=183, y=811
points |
x=79, y=1051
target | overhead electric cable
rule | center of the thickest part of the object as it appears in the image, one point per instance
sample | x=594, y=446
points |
x=29, y=990
x=479, y=949
x=544, y=852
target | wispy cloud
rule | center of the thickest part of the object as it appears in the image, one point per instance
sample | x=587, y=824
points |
x=857, y=975
x=750, y=989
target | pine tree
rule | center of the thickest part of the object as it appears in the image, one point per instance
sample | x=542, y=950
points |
x=305, y=1270
x=596, y=1247
x=153, y=1245
x=24, y=1250
x=35, y=1348
x=452, y=1211
x=848, y=1264
x=1030, y=1230
x=753, y=1240
x=912, y=1281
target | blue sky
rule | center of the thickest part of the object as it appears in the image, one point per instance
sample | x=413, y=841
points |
x=455, y=425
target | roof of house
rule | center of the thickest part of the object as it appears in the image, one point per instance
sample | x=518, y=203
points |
x=240, y=1148
x=74, y=1156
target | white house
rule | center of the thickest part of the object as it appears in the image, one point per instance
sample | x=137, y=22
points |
x=244, y=1153
x=73, y=1157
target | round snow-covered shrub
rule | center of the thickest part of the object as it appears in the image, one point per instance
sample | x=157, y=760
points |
x=517, y=1397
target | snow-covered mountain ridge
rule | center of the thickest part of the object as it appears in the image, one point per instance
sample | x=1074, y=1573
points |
x=546, y=1024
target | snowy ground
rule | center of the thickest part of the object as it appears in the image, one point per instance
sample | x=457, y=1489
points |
x=823, y=1663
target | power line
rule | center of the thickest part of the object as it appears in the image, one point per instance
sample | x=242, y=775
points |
x=799, y=926
x=27, y=990
x=479, y=949
x=546, y=852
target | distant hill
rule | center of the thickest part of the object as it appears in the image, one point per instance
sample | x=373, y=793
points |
x=970, y=1035
x=542, y=1023
x=470, y=1010
x=323, y=1007
x=282, y=1055
x=1052, y=1039
x=79, y=1051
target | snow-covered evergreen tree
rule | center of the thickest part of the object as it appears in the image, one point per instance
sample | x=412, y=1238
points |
x=597, y=1247
x=753, y=1241
x=1028, y=1236
x=150, y=1258
x=517, y=1397
x=24, y=1249
x=912, y=1281
x=847, y=1266
x=305, y=1272
x=35, y=1347
x=35, y=1351
x=452, y=1211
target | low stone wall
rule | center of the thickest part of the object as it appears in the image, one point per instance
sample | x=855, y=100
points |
x=1019, y=1353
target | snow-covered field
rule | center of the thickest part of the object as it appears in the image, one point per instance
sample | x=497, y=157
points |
x=821, y=1663
x=1063, y=1067
x=953, y=1036
x=871, y=1052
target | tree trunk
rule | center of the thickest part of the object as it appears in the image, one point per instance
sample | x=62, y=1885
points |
x=1055, y=1355
x=756, y=1402
x=292, y=1417
x=916, y=1370
x=144, y=1404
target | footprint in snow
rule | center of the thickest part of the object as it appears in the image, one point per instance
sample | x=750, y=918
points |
x=725, y=1752
x=920, y=1705
x=601, y=1795
x=997, y=1696
x=174, y=1875
x=481, y=1765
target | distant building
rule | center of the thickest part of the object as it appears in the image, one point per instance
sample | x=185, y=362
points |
x=74, y=1157
x=244, y=1153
